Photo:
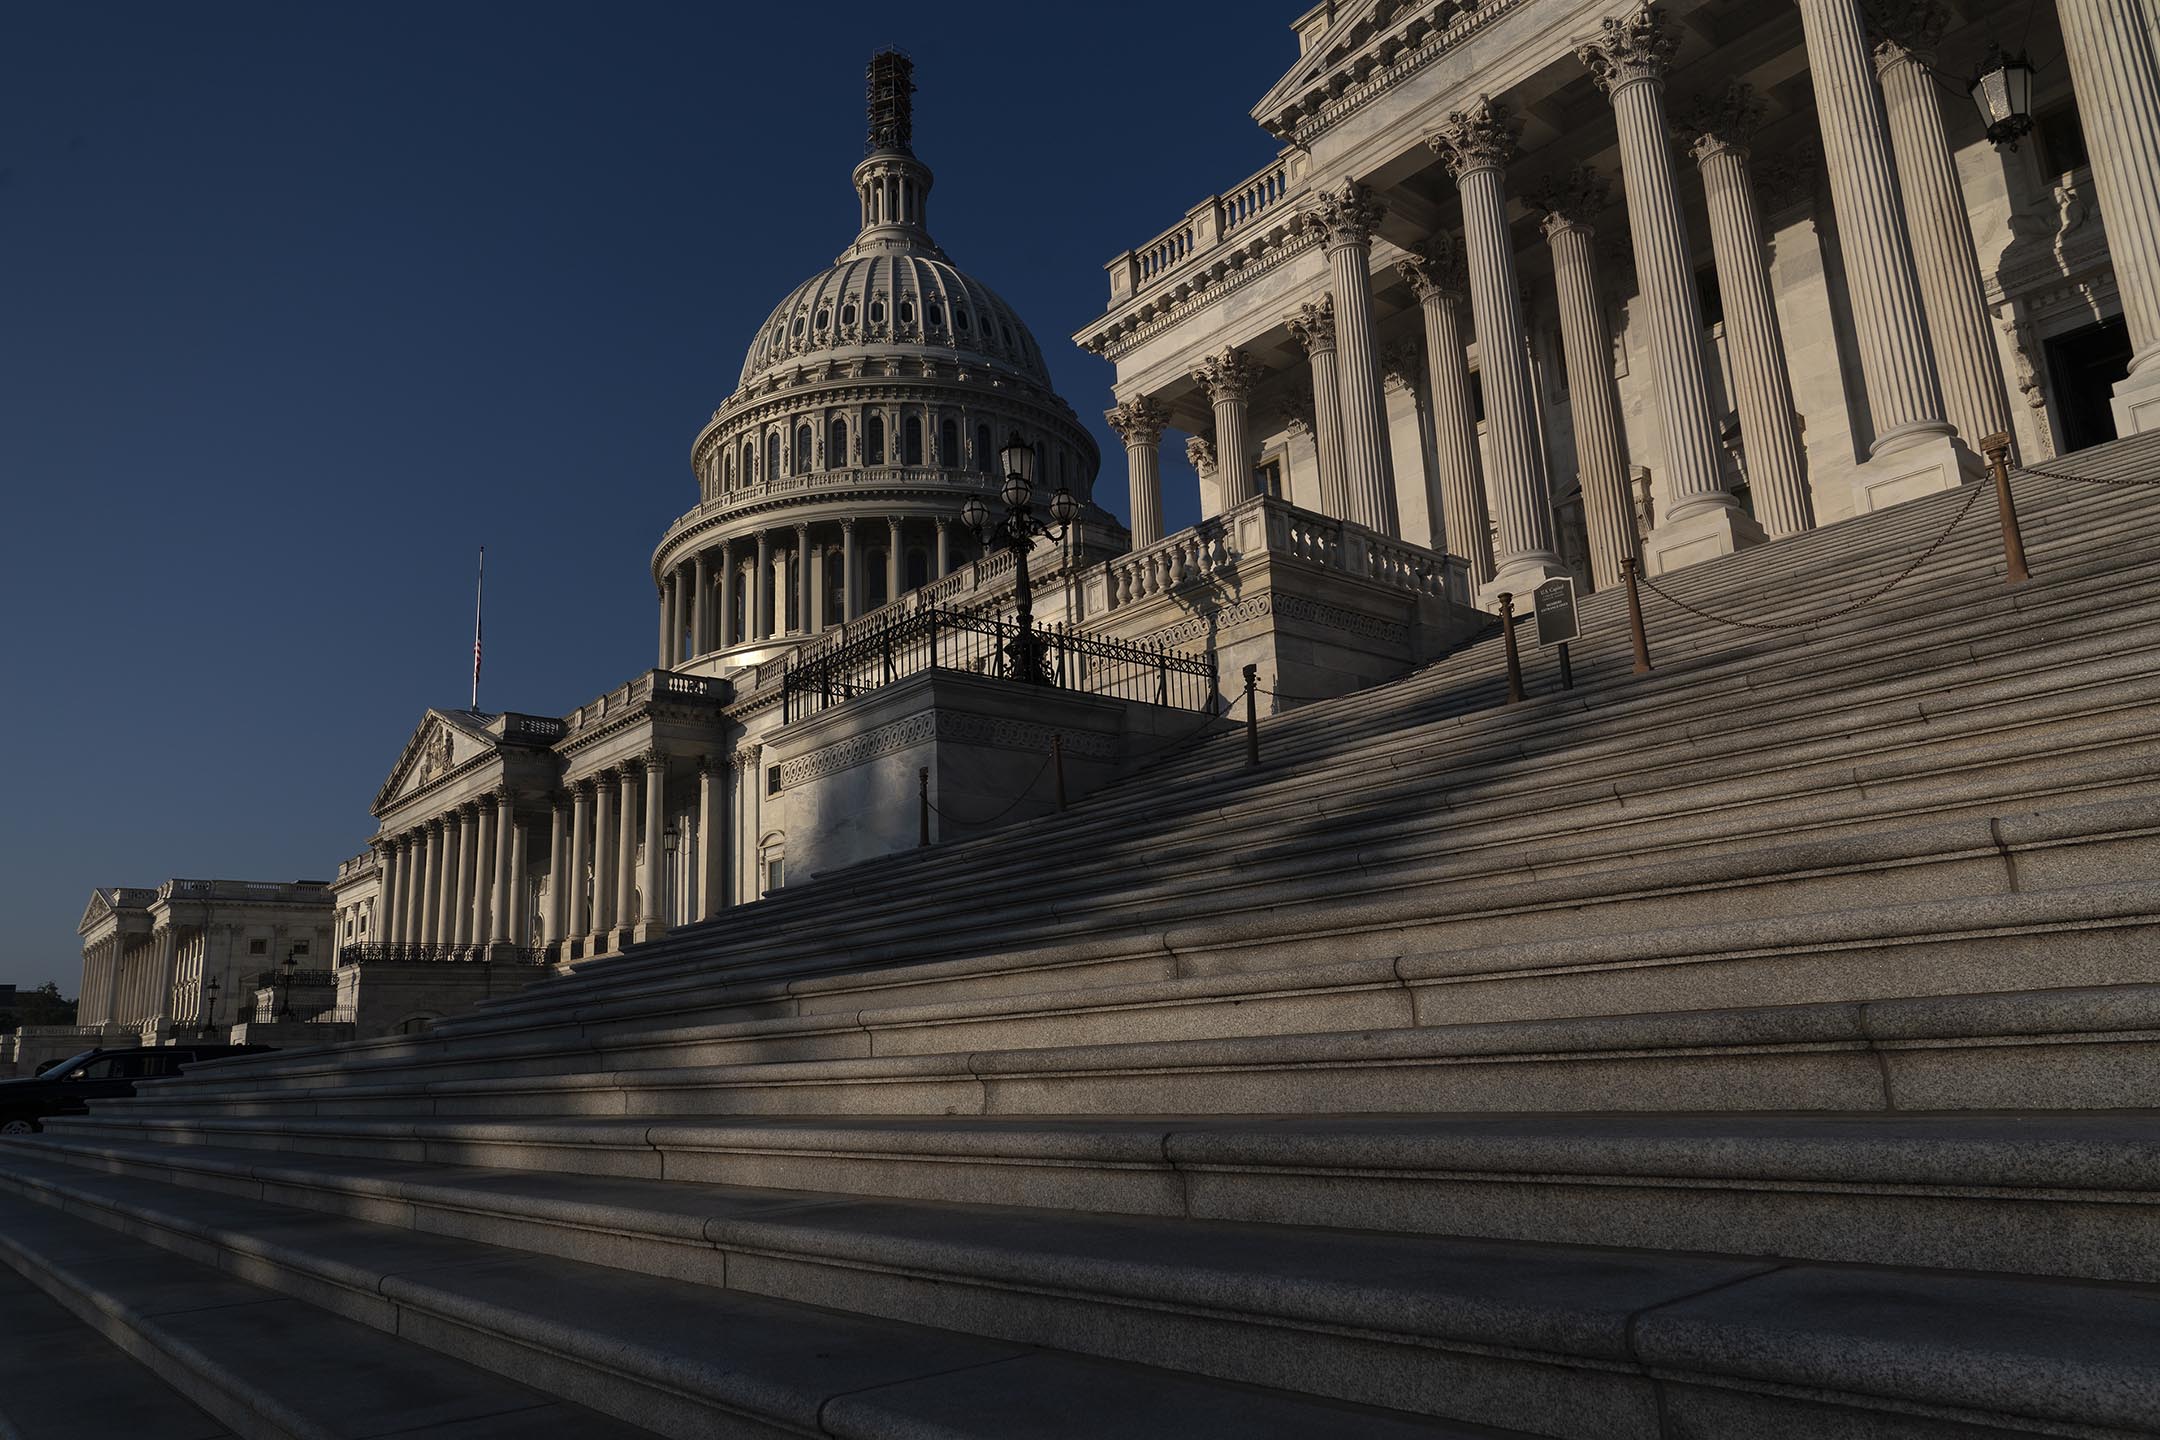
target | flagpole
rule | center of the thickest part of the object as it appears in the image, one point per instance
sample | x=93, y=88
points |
x=479, y=594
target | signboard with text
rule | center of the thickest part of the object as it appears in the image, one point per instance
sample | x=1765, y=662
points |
x=1554, y=606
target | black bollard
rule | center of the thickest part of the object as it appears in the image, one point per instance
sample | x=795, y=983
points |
x=1252, y=716
x=1514, y=660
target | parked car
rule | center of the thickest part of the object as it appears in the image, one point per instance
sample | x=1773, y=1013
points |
x=67, y=1086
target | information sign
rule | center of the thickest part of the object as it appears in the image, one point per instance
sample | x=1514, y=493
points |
x=1554, y=605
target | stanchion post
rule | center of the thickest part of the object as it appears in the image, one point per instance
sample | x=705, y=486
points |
x=1252, y=716
x=1997, y=450
x=1634, y=618
x=1514, y=660
x=1567, y=669
x=1057, y=765
x=922, y=805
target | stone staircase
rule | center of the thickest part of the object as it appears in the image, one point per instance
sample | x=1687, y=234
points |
x=1766, y=1046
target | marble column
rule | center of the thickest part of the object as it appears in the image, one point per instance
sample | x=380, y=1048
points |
x=892, y=558
x=1569, y=205
x=652, y=915
x=803, y=591
x=1914, y=451
x=461, y=915
x=1698, y=517
x=414, y=930
x=427, y=929
x=577, y=887
x=1436, y=276
x=484, y=872
x=850, y=597
x=626, y=853
x=387, y=895
x=712, y=835
x=762, y=589
x=944, y=547
x=1476, y=145
x=665, y=618
x=517, y=927
x=700, y=585
x=555, y=922
x=2112, y=68
x=1313, y=328
x=603, y=867
x=1228, y=380
x=168, y=971
x=724, y=574
x=1139, y=423
x=1347, y=214
x=818, y=590
x=1951, y=293
x=1717, y=135
x=499, y=914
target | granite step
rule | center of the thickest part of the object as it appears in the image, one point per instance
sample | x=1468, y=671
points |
x=1565, y=1341
x=61, y=1380
x=309, y=1297
x=2053, y=1193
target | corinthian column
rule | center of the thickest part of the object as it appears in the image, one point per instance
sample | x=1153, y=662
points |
x=1313, y=327
x=2117, y=81
x=761, y=587
x=577, y=893
x=1139, y=423
x=1700, y=518
x=1914, y=452
x=700, y=588
x=459, y=924
x=1347, y=216
x=712, y=835
x=386, y=895
x=1228, y=379
x=1475, y=145
x=1717, y=135
x=555, y=917
x=1586, y=340
x=603, y=864
x=626, y=878
x=1436, y=276
x=652, y=921
x=724, y=574
x=1936, y=217
x=500, y=926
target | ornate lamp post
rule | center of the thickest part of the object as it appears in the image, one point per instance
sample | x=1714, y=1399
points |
x=288, y=969
x=209, y=1025
x=1017, y=531
x=2002, y=89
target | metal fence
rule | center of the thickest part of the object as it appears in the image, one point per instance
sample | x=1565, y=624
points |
x=936, y=639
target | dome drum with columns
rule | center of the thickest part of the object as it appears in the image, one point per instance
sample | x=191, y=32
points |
x=870, y=407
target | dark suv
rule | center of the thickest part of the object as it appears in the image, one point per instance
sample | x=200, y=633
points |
x=65, y=1087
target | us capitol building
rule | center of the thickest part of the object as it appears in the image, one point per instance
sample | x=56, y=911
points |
x=1533, y=288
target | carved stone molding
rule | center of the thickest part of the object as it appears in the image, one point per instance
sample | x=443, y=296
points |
x=1138, y=421
x=1346, y=215
x=1402, y=364
x=1313, y=325
x=1571, y=199
x=1228, y=376
x=1287, y=607
x=1200, y=453
x=1298, y=415
x=1483, y=137
x=1629, y=50
x=1905, y=27
x=921, y=729
x=1435, y=271
x=1725, y=121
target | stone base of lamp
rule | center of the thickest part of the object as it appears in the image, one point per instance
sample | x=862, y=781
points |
x=1688, y=539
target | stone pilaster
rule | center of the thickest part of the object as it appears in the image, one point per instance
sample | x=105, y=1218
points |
x=803, y=591
x=652, y=917
x=1700, y=518
x=1476, y=145
x=1936, y=217
x=1569, y=206
x=1346, y=217
x=626, y=839
x=1228, y=379
x=761, y=586
x=1139, y=423
x=499, y=913
x=603, y=864
x=2112, y=68
x=1313, y=328
x=458, y=924
x=712, y=836
x=1717, y=134
x=700, y=591
x=1437, y=277
x=1914, y=452
x=577, y=890
x=555, y=919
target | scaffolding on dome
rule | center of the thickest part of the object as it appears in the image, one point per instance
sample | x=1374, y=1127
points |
x=889, y=91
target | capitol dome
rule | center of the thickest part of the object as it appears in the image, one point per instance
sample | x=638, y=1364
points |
x=870, y=407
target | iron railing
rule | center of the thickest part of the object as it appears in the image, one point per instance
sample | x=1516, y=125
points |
x=940, y=639
x=392, y=953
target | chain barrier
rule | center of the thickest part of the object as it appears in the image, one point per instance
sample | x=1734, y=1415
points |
x=2119, y=480
x=1025, y=791
x=1779, y=626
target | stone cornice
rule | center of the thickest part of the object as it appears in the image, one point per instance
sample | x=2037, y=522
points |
x=1408, y=46
x=1114, y=336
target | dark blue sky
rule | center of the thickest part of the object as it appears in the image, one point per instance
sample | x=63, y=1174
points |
x=302, y=303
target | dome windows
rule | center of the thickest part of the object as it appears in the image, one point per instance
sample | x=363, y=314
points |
x=877, y=312
x=836, y=450
x=907, y=312
x=802, y=450
x=874, y=440
x=799, y=327
x=911, y=450
x=949, y=443
x=824, y=319
x=960, y=319
x=934, y=317
x=847, y=313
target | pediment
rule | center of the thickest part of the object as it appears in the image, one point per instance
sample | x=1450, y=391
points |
x=100, y=907
x=1359, y=26
x=444, y=741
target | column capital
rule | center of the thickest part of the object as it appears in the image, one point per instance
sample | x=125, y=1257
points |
x=1629, y=50
x=745, y=757
x=1717, y=123
x=1483, y=137
x=1200, y=454
x=1313, y=325
x=652, y=760
x=1402, y=364
x=1139, y=421
x=1569, y=200
x=1298, y=413
x=710, y=765
x=1435, y=271
x=1230, y=375
x=1905, y=29
x=1345, y=215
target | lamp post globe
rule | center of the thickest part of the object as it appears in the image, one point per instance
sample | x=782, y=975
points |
x=1064, y=506
x=975, y=515
x=2002, y=91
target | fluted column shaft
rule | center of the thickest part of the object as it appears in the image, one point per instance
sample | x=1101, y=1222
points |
x=1455, y=446
x=439, y=838
x=700, y=588
x=1951, y=294
x=1228, y=380
x=416, y=893
x=666, y=618
x=2113, y=70
x=850, y=602
x=386, y=895
x=1139, y=422
x=553, y=921
x=1762, y=388
x=499, y=909
x=1593, y=401
x=1367, y=458
x=577, y=891
x=761, y=585
x=168, y=971
x=652, y=920
x=626, y=848
x=1313, y=327
x=517, y=929
x=461, y=915
x=944, y=547
x=892, y=558
x=603, y=870
x=724, y=574
x=803, y=592
x=712, y=836
x=1897, y=362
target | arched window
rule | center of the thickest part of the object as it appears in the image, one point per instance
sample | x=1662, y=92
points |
x=749, y=462
x=982, y=448
x=847, y=314
x=727, y=470
x=803, y=464
x=772, y=454
x=824, y=320
x=934, y=316
x=912, y=454
x=836, y=452
x=960, y=320
x=877, y=312
x=874, y=440
x=949, y=444
x=907, y=312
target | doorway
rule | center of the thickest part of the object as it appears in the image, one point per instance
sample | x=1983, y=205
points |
x=2085, y=366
